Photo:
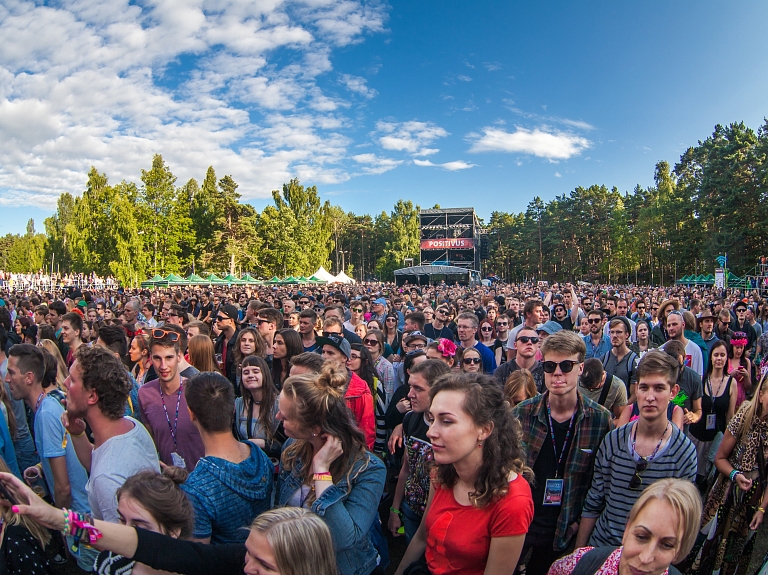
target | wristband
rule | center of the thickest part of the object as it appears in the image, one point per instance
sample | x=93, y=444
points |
x=79, y=434
x=396, y=511
x=733, y=474
x=322, y=477
x=761, y=509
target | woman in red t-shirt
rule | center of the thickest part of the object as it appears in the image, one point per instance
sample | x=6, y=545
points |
x=479, y=505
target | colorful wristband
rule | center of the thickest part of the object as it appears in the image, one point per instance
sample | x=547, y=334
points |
x=733, y=474
x=322, y=477
x=396, y=511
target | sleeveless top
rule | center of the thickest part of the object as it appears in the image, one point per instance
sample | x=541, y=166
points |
x=719, y=407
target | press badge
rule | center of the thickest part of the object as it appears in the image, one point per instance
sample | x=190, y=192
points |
x=711, y=421
x=553, y=492
x=178, y=460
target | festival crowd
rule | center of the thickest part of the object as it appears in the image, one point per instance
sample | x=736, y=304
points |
x=512, y=428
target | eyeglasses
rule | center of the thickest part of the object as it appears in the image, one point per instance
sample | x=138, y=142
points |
x=471, y=360
x=353, y=357
x=170, y=335
x=636, y=482
x=486, y=329
x=566, y=366
x=415, y=346
x=529, y=339
x=442, y=311
x=594, y=320
x=371, y=342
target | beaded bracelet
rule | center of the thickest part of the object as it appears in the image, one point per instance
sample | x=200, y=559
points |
x=733, y=474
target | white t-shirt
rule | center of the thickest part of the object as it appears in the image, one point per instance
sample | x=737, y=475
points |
x=112, y=463
x=693, y=358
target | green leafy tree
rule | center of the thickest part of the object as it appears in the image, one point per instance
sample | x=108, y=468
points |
x=402, y=239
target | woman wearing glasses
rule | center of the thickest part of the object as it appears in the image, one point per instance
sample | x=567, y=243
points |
x=356, y=316
x=736, y=505
x=479, y=505
x=385, y=371
x=392, y=336
x=472, y=361
x=486, y=334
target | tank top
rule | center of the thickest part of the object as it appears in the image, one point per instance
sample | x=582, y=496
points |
x=718, y=406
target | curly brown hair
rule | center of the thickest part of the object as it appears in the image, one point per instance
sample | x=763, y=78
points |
x=107, y=376
x=502, y=452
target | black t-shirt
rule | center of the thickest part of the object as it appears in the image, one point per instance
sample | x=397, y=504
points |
x=206, y=310
x=444, y=333
x=566, y=323
x=545, y=516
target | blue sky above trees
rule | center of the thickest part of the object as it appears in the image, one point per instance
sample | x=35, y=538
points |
x=458, y=103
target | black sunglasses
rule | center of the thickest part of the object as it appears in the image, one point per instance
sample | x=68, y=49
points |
x=636, y=482
x=529, y=339
x=566, y=366
x=471, y=360
x=221, y=318
x=486, y=329
x=371, y=341
x=594, y=320
x=357, y=309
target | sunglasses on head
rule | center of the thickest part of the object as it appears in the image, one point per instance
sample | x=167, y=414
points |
x=566, y=366
x=471, y=360
x=170, y=335
x=529, y=339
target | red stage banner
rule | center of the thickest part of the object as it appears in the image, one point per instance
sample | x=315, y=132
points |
x=448, y=244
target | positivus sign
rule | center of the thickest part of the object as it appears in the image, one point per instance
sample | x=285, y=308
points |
x=448, y=244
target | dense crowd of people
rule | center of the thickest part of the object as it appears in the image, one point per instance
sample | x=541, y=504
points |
x=508, y=428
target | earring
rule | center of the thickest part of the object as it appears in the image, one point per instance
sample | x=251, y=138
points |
x=479, y=445
x=314, y=435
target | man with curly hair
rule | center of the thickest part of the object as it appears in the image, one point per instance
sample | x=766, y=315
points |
x=97, y=391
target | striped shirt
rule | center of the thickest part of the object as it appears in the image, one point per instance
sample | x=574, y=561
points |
x=610, y=497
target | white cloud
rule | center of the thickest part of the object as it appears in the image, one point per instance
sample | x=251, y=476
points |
x=375, y=164
x=450, y=166
x=538, y=142
x=558, y=175
x=110, y=83
x=464, y=78
x=411, y=137
x=492, y=66
x=357, y=85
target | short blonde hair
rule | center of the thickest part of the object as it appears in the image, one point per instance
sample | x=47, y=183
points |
x=300, y=540
x=684, y=498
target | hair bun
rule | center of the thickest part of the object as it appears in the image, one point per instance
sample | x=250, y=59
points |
x=333, y=379
x=175, y=474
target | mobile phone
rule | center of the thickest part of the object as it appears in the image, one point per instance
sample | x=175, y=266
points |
x=6, y=495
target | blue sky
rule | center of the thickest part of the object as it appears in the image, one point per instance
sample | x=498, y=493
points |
x=483, y=104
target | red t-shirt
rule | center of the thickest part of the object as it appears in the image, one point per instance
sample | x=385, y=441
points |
x=459, y=536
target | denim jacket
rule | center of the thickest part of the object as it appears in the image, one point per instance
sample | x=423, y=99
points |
x=349, y=513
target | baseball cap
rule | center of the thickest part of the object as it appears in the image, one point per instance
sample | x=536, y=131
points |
x=380, y=301
x=336, y=340
x=407, y=337
x=229, y=310
x=549, y=327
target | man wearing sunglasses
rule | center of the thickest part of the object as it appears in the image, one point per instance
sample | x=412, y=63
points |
x=636, y=455
x=225, y=344
x=438, y=329
x=598, y=344
x=561, y=430
x=527, y=343
x=531, y=315
x=467, y=324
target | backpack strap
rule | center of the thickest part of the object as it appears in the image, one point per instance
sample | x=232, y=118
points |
x=606, y=389
x=592, y=560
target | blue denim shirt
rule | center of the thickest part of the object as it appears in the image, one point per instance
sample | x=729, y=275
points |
x=597, y=351
x=349, y=513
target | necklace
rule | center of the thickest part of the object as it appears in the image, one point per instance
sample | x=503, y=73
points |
x=39, y=400
x=658, y=445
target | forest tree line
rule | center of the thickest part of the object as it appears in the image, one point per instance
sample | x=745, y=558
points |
x=711, y=202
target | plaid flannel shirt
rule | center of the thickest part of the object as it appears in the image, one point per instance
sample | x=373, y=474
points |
x=592, y=423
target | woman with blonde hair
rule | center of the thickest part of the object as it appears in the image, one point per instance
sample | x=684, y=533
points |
x=201, y=354
x=288, y=541
x=139, y=354
x=327, y=468
x=519, y=386
x=661, y=529
x=62, y=373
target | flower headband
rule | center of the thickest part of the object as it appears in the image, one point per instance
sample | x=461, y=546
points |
x=739, y=339
x=447, y=348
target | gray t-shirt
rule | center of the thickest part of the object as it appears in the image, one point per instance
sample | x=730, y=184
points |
x=112, y=463
x=617, y=394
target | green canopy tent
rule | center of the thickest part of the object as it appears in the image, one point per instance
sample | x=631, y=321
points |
x=154, y=281
x=709, y=280
x=315, y=280
x=195, y=279
x=214, y=279
x=289, y=280
x=250, y=280
x=233, y=280
x=274, y=280
x=173, y=279
x=302, y=280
